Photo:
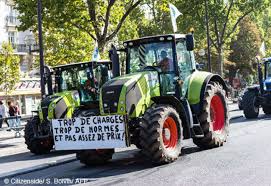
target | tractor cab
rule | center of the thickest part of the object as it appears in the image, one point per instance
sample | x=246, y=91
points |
x=170, y=55
x=85, y=78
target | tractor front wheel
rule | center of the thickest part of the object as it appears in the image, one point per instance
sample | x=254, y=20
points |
x=161, y=134
x=251, y=110
x=36, y=145
x=214, y=117
x=93, y=156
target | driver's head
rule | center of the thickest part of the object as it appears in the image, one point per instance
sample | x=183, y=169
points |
x=163, y=54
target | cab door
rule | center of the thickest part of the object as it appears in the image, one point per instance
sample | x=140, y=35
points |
x=186, y=65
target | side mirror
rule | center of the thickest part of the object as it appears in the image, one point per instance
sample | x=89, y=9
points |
x=190, y=42
x=114, y=57
x=48, y=79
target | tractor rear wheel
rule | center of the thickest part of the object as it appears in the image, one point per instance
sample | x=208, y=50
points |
x=92, y=156
x=161, y=134
x=266, y=110
x=251, y=110
x=36, y=145
x=214, y=118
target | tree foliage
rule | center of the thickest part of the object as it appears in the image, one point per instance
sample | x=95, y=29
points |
x=245, y=48
x=9, y=68
x=72, y=27
x=99, y=19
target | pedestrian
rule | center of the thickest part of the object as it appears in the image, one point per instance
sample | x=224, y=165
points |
x=13, y=112
x=3, y=113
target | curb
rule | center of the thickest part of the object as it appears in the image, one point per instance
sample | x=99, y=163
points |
x=37, y=168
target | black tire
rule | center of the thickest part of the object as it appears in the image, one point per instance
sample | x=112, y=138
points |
x=251, y=110
x=35, y=145
x=153, y=134
x=240, y=106
x=214, y=121
x=93, y=156
x=267, y=110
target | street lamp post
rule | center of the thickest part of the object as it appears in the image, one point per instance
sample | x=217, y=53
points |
x=42, y=81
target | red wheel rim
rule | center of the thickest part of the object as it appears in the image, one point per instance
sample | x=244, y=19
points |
x=217, y=113
x=170, y=133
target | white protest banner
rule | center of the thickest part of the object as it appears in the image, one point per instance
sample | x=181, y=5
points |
x=95, y=132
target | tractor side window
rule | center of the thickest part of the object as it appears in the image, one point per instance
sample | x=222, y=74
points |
x=184, y=59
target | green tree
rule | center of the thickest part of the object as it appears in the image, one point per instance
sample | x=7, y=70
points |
x=245, y=48
x=64, y=46
x=224, y=18
x=9, y=68
x=264, y=22
x=100, y=20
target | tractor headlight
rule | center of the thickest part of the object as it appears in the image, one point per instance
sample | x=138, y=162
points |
x=105, y=105
x=122, y=108
x=53, y=105
x=75, y=96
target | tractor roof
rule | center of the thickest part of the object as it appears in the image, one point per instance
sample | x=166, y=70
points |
x=157, y=37
x=71, y=65
x=268, y=59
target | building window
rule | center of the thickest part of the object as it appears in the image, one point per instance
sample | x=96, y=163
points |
x=12, y=38
x=12, y=11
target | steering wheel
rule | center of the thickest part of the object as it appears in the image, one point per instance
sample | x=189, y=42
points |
x=151, y=68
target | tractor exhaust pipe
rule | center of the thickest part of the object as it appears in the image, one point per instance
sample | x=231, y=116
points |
x=114, y=57
x=48, y=79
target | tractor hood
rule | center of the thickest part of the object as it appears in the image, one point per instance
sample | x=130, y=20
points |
x=59, y=105
x=129, y=94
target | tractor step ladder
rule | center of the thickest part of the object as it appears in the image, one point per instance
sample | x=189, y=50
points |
x=197, y=131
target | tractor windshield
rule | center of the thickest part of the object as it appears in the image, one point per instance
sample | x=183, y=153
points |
x=85, y=80
x=151, y=54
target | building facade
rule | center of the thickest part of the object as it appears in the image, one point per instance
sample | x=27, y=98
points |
x=27, y=91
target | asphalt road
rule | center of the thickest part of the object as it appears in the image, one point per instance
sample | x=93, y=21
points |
x=244, y=160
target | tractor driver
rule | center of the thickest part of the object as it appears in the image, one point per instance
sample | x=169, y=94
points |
x=166, y=64
x=91, y=86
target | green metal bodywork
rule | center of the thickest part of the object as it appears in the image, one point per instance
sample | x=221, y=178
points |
x=195, y=85
x=146, y=82
x=70, y=100
x=149, y=87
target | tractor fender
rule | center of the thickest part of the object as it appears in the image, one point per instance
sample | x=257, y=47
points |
x=197, y=87
x=180, y=107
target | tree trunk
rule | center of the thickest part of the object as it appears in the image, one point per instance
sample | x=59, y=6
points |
x=220, y=61
x=232, y=73
x=101, y=47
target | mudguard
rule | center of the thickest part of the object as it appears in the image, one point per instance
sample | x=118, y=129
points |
x=197, y=85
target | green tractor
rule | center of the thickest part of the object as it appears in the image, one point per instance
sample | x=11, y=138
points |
x=71, y=88
x=164, y=99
